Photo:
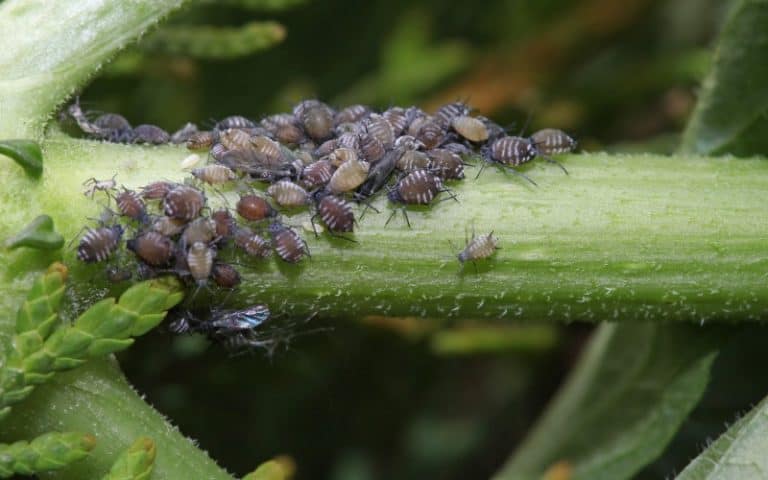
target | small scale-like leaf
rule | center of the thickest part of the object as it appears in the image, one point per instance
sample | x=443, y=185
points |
x=51, y=451
x=270, y=470
x=26, y=153
x=136, y=463
x=732, y=112
x=738, y=454
x=39, y=234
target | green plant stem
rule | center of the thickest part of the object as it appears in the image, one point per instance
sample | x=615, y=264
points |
x=47, y=49
x=623, y=237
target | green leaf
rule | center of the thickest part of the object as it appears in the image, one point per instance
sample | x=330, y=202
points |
x=732, y=111
x=39, y=234
x=135, y=463
x=270, y=470
x=632, y=388
x=50, y=451
x=26, y=153
x=740, y=453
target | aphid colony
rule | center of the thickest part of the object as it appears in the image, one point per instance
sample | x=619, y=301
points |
x=314, y=157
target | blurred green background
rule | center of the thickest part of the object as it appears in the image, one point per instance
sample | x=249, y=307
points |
x=404, y=398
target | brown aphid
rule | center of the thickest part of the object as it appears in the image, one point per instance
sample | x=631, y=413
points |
x=407, y=142
x=235, y=139
x=201, y=140
x=551, y=141
x=290, y=247
x=470, y=128
x=99, y=244
x=168, y=226
x=413, y=160
x=397, y=118
x=183, y=202
x=431, y=134
x=316, y=174
x=289, y=134
x=288, y=194
x=459, y=149
x=200, y=262
x=152, y=248
x=351, y=114
x=214, y=174
x=341, y=156
x=112, y=121
x=317, y=121
x=479, y=247
x=218, y=151
x=156, y=190
x=252, y=244
x=371, y=147
x=150, y=134
x=445, y=114
x=381, y=129
x=201, y=229
x=336, y=213
x=325, y=148
x=130, y=205
x=254, y=208
x=225, y=224
x=268, y=152
x=446, y=164
x=417, y=119
x=416, y=188
x=225, y=275
x=348, y=176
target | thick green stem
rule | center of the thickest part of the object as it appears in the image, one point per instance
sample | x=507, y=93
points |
x=623, y=237
x=47, y=49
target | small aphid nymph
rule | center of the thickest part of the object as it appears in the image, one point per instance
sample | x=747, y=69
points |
x=92, y=186
x=152, y=248
x=290, y=247
x=183, y=202
x=99, y=244
x=214, y=174
x=254, y=208
x=150, y=134
x=288, y=194
x=479, y=248
x=551, y=141
x=130, y=205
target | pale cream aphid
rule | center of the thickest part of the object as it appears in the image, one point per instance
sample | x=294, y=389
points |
x=288, y=194
x=200, y=262
x=470, y=128
x=92, y=186
x=479, y=247
x=190, y=161
x=214, y=174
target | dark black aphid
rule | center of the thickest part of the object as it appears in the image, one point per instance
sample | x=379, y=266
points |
x=98, y=244
x=239, y=320
x=151, y=134
x=152, y=248
x=183, y=202
x=290, y=247
x=379, y=173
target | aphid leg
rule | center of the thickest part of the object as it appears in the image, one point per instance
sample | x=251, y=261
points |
x=482, y=167
x=552, y=160
x=368, y=205
x=390, y=217
x=312, y=221
x=520, y=174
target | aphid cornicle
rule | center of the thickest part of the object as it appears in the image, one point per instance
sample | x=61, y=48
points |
x=288, y=194
x=336, y=213
x=214, y=174
x=225, y=275
x=254, y=208
x=252, y=243
x=92, y=186
x=290, y=247
x=98, y=244
x=151, y=134
x=551, y=141
x=152, y=248
x=348, y=176
x=200, y=262
x=183, y=202
x=470, y=128
x=479, y=247
x=156, y=190
x=130, y=205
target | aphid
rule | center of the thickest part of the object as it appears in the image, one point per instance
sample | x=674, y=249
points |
x=458, y=148
x=316, y=174
x=379, y=174
x=510, y=151
x=183, y=202
x=225, y=275
x=151, y=134
x=351, y=128
x=92, y=186
x=413, y=160
x=117, y=275
x=254, y=208
x=431, y=134
x=289, y=134
x=378, y=127
x=348, y=176
x=290, y=247
x=351, y=114
x=407, y=142
x=234, y=121
x=81, y=119
x=130, y=205
x=349, y=140
x=214, y=174
x=494, y=129
x=225, y=224
x=156, y=190
x=152, y=248
x=341, y=156
x=470, y=128
x=168, y=226
x=336, y=213
x=550, y=141
x=397, y=118
x=418, y=188
x=199, y=230
x=317, y=121
x=371, y=147
x=445, y=114
x=201, y=140
x=190, y=161
x=447, y=165
x=288, y=194
x=200, y=262
x=479, y=247
x=253, y=244
x=235, y=139
x=218, y=151
x=304, y=105
x=325, y=148
x=111, y=121
x=98, y=244
x=273, y=122
x=268, y=151
x=183, y=134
